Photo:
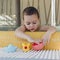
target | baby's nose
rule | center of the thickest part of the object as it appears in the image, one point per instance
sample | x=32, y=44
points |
x=31, y=25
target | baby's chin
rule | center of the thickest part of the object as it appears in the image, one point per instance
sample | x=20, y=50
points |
x=32, y=30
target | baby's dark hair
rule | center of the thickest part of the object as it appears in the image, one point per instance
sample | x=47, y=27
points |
x=30, y=11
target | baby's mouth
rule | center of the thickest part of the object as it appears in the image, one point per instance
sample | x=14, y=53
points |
x=32, y=29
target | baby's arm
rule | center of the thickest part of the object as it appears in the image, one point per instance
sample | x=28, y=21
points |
x=20, y=33
x=47, y=36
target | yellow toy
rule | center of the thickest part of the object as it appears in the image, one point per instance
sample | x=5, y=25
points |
x=26, y=46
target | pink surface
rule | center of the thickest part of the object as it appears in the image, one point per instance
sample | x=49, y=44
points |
x=37, y=46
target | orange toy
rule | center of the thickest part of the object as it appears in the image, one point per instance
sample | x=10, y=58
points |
x=26, y=46
x=37, y=46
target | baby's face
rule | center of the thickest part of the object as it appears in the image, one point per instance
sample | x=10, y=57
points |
x=31, y=22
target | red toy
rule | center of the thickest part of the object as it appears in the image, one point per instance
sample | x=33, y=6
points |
x=37, y=46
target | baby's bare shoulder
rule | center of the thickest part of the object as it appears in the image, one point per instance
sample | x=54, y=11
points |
x=21, y=28
x=44, y=28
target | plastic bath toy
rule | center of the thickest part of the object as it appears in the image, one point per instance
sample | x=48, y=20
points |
x=26, y=46
x=10, y=48
x=37, y=46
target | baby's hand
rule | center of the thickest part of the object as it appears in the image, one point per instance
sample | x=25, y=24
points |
x=52, y=30
x=30, y=39
x=38, y=41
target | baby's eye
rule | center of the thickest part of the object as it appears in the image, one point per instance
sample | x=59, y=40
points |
x=28, y=23
x=34, y=22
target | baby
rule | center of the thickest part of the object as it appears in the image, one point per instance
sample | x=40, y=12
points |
x=31, y=23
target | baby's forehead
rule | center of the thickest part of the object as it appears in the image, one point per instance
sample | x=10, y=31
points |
x=30, y=21
x=32, y=17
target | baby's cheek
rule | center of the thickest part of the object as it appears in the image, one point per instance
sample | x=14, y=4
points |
x=28, y=27
x=36, y=27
